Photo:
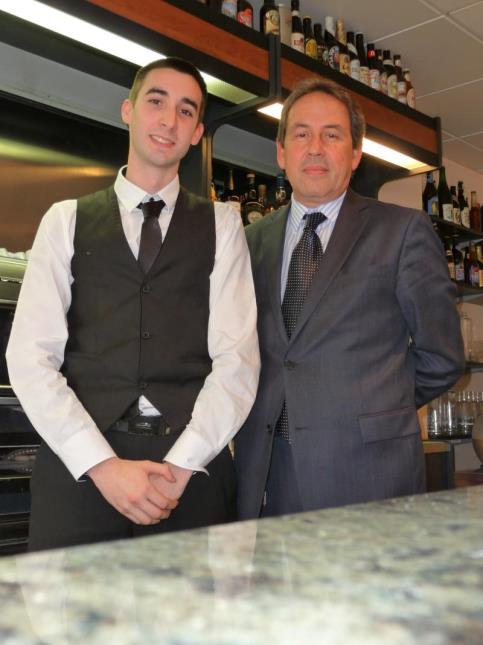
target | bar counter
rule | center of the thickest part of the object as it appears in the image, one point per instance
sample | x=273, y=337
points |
x=401, y=571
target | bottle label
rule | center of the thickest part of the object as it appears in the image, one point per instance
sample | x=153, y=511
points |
x=374, y=79
x=433, y=205
x=456, y=215
x=229, y=7
x=452, y=270
x=459, y=272
x=364, y=72
x=474, y=275
x=356, y=69
x=245, y=17
x=253, y=216
x=311, y=48
x=334, y=57
x=447, y=212
x=480, y=278
x=345, y=64
x=383, y=81
x=297, y=42
x=392, y=86
x=271, y=22
x=411, y=97
x=235, y=203
x=465, y=217
x=402, y=92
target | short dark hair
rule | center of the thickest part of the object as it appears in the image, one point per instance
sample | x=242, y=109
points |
x=178, y=64
x=317, y=84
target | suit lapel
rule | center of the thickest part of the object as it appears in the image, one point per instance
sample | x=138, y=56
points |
x=273, y=241
x=351, y=221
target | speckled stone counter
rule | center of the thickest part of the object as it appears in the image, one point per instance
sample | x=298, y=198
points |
x=395, y=572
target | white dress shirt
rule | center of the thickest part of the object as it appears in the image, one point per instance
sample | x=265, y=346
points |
x=35, y=351
x=296, y=225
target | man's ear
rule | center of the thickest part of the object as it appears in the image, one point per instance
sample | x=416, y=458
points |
x=126, y=110
x=197, y=134
x=280, y=155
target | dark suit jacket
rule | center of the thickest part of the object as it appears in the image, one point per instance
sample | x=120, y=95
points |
x=378, y=336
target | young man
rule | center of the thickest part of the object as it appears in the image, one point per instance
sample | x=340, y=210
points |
x=134, y=348
x=357, y=326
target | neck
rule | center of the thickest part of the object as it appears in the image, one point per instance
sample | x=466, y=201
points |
x=151, y=180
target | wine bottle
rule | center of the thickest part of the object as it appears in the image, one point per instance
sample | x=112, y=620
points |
x=244, y=13
x=479, y=259
x=445, y=202
x=459, y=265
x=310, y=44
x=269, y=18
x=297, y=41
x=401, y=85
x=464, y=209
x=411, y=92
x=456, y=206
x=475, y=222
x=322, y=51
x=450, y=259
x=382, y=71
x=355, y=63
x=430, y=196
x=252, y=210
x=361, y=51
x=344, y=57
x=330, y=39
x=374, y=77
x=280, y=191
x=391, y=74
x=230, y=195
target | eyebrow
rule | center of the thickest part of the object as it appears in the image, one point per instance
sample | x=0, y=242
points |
x=184, y=99
x=326, y=126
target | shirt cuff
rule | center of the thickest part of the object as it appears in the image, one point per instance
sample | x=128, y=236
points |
x=84, y=450
x=191, y=451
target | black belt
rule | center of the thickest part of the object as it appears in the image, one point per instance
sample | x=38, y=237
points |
x=134, y=423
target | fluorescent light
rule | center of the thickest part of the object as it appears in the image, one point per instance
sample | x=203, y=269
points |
x=389, y=154
x=369, y=146
x=105, y=41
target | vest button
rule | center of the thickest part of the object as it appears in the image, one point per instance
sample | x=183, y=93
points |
x=145, y=335
x=146, y=288
x=143, y=385
x=289, y=365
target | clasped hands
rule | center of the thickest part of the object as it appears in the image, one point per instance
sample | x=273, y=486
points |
x=143, y=491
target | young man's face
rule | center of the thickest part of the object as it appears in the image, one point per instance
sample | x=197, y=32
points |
x=163, y=123
x=317, y=154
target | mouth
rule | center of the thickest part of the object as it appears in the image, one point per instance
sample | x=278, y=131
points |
x=162, y=141
x=315, y=170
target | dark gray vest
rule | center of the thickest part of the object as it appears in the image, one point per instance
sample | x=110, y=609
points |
x=133, y=334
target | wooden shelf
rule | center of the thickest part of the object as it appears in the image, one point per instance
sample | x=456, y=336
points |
x=455, y=231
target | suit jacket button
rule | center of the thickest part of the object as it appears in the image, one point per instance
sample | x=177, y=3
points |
x=143, y=385
x=290, y=365
x=145, y=335
x=146, y=288
x=269, y=429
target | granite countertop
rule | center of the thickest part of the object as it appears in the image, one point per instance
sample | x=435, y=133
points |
x=401, y=571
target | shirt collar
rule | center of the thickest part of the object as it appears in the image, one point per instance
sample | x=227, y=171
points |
x=330, y=209
x=130, y=195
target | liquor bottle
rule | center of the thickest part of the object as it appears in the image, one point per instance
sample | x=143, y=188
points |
x=374, y=76
x=474, y=269
x=262, y=198
x=456, y=206
x=269, y=18
x=344, y=57
x=411, y=92
x=332, y=45
x=464, y=209
x=430, y=196
x=459, y=265
x=382, y=71
x=310, y=44
x=354, y=57
x=450, y=259
x=475, y=222
x=229, y=8
x=244, y=13
x=361, y=51
x=479, y=259
x=322, y=51
x=297, y=38
x=280, y=191
x=401, y=85
x=230, y=195
x=252, y=210
x=391, y=74
x=445, y=201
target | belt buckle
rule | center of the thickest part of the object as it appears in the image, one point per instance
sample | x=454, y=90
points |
x=144, y=425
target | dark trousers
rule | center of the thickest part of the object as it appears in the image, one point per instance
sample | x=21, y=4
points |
x=281, y=492
x=66, y=512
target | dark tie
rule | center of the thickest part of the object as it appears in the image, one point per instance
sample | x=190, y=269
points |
x=150, y=242
x=304, y=262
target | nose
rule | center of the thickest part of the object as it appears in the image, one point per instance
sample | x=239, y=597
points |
x=168, y=116
x=316, y=146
